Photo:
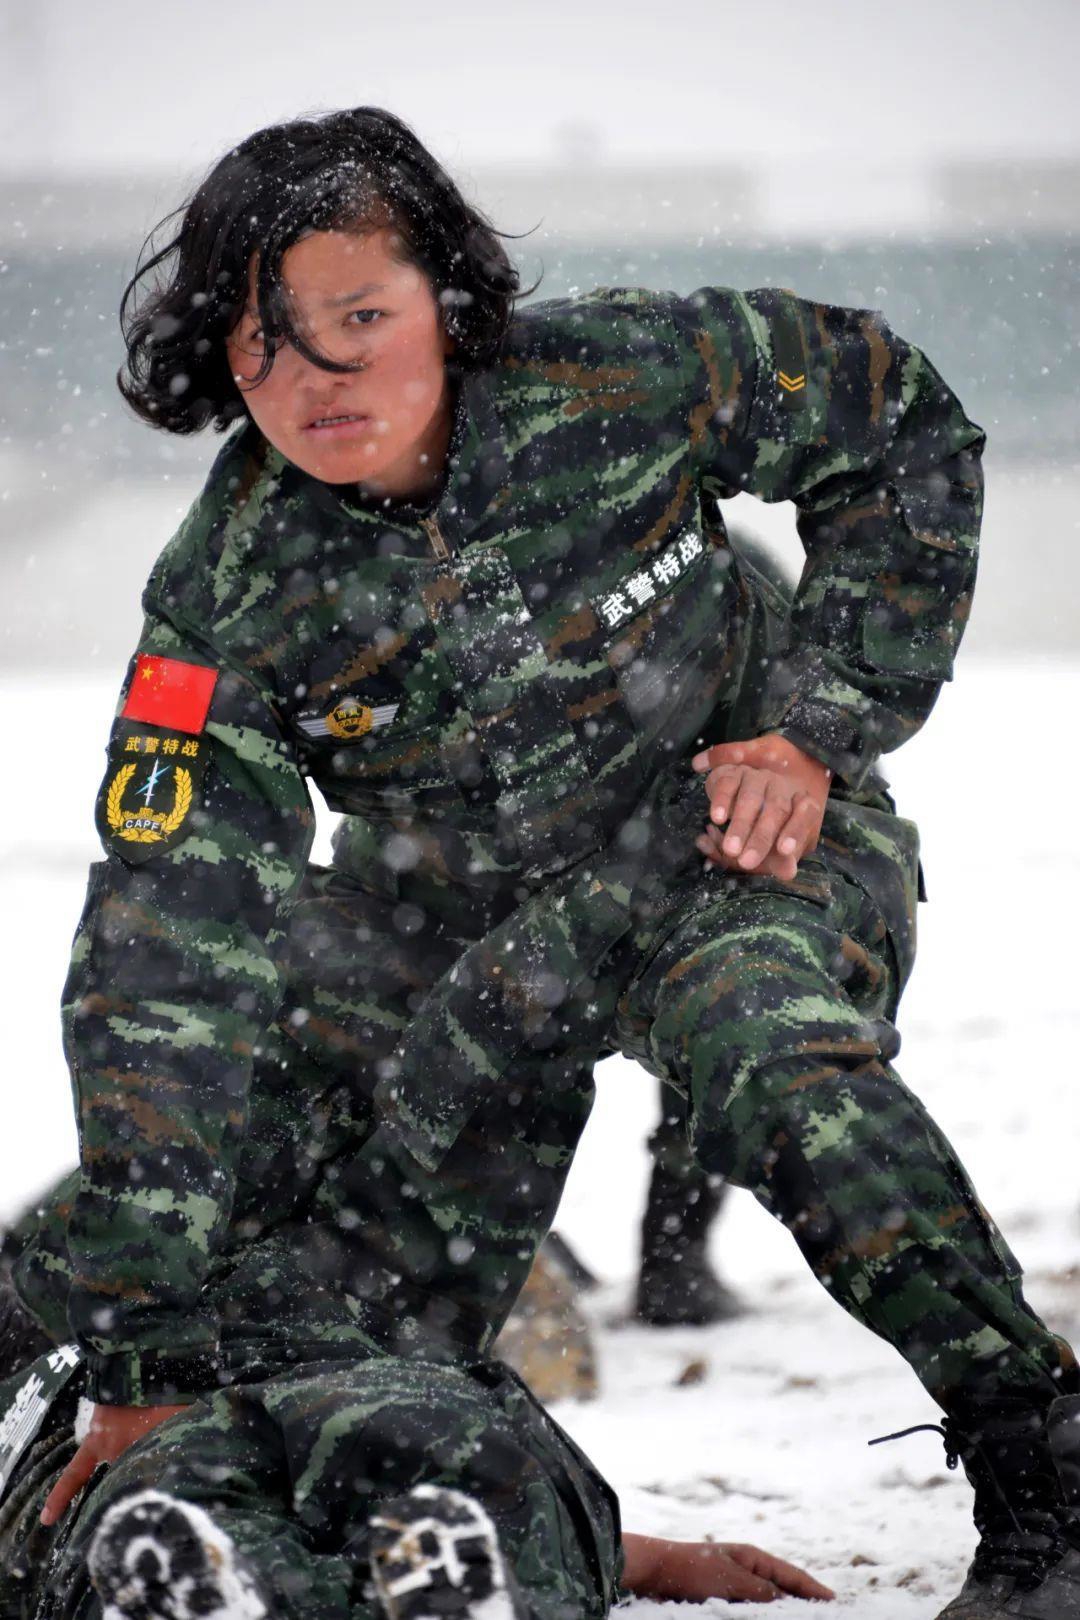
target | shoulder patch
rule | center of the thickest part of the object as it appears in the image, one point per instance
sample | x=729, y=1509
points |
x=168, y=692
x=778, y=319
x=149, y=791
x=789, y=350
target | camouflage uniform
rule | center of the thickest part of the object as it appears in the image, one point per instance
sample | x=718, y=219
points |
x=676, y=1284
x=501, y=695
x=292, y=1467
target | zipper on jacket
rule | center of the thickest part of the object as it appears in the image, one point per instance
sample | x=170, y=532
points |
x=434, y=534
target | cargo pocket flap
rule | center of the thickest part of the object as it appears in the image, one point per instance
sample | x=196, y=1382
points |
x=916, y=615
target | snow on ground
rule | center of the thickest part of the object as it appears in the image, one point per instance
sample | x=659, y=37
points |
x=770, y=1445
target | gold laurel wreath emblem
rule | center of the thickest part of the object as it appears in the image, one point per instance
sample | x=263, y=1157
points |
x=350, y=720
x=114, y=810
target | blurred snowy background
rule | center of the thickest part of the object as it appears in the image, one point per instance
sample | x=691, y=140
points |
x=925, y=162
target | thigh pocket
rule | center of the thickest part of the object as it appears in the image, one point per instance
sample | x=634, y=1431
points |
x=878, y=851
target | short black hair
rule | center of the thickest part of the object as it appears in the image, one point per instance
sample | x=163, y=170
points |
x=356, y=169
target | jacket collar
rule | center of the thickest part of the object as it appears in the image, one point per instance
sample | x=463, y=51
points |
x=475, y=491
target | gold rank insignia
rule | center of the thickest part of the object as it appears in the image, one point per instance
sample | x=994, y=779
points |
x=146, y=800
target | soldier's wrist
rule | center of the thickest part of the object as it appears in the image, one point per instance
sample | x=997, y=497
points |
x=154, y=1378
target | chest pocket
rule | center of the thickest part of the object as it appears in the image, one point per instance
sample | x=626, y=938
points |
x=373, y=733
x=664, y=630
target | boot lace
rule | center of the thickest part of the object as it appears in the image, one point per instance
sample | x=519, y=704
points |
x=1023, y=1541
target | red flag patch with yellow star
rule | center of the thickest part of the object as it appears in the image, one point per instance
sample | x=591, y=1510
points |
x=167, y=692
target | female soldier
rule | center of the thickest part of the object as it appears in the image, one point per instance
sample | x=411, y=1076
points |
x=463, y=565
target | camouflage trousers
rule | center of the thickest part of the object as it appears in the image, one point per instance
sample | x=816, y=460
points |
x=768, y=1006
x=772, y=1014
x=293, y=1467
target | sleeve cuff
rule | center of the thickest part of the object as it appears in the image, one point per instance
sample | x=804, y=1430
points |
x=846, y=757
x=154, y=1378
x=827, y=717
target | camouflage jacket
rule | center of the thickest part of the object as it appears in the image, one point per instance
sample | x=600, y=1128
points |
x=485, y=689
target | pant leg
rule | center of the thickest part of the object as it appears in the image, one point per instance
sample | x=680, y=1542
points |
x=359, y=965
x=771, y=1009
x=293, y=1468
x=446, y=1251
x=675, y=1160
x=356, y=1435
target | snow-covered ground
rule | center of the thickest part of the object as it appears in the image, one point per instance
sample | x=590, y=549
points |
x=770, y=1445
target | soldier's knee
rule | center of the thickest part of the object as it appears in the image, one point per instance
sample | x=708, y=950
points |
x=714, y=1034
x=395, y=1401
x=736, y=1130
x=728, y=1024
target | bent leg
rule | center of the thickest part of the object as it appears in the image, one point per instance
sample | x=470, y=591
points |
x=357, y=967
x=770, y=1010
x=292, y=1470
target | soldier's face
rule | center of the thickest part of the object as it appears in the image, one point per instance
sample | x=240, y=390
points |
x=354, y=298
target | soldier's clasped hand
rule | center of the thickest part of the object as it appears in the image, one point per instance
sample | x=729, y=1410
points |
x=771, y=796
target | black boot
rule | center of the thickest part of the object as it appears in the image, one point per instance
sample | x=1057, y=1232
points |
x=1023, y=1461
x=677, y=1286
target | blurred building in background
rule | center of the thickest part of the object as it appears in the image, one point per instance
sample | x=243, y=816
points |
x=981, y=268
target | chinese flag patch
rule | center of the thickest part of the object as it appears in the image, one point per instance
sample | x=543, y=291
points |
x=166, y=692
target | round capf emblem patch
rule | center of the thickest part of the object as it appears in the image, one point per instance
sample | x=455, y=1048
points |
x=148, y=794
x=350, y=719
x=138, y=823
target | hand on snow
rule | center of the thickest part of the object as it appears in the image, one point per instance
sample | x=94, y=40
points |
x=772, y=797
x=112, y=1429
x=691, y=1571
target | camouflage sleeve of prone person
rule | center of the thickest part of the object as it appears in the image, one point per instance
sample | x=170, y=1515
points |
x=175, y=974
x=828, y=408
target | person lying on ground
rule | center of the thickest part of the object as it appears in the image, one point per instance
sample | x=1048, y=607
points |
x=291, y=1495
x=462, y=564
